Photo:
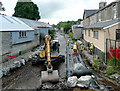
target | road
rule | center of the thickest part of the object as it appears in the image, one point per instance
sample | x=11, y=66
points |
x=28, y=76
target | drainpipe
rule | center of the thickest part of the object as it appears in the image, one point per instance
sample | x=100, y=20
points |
x=105, y=46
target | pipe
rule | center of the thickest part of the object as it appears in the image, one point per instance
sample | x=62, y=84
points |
x=84, y=72
x=81, y=61
x=68, y=63
x=105, y=47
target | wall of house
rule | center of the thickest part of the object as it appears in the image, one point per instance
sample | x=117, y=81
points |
x=6, y=45
x=118, y=9
x=106, y=14
x=44, y=31
x=13, y=49
x=16, y=38
x=77, y=32
x=98, y=43
x=111, y=34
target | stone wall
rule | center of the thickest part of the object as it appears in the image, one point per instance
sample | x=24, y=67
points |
x=9, y=49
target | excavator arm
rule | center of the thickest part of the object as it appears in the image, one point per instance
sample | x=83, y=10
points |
x=49, y=65
x=50, y=75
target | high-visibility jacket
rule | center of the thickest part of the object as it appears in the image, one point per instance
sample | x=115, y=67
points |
x=91, y=47
x=74, y=46
x=68, y=43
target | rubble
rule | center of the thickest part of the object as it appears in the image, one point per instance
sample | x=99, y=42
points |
x=84, y=81
x=17, y=64
x=6, y=71
x=22, y=61
x=71, y=82
x=13, y=67
x=117, y=76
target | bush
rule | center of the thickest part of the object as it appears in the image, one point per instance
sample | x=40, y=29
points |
x=112, y=62
x=71, y=35
x=52, y=33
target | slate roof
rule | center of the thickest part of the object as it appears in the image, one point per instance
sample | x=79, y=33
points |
x=9, y=23
x=104, y=7
x=102, y=24
x=89, y=12
x=35, y=24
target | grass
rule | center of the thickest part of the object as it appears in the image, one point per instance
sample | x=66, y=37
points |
x=111, y=71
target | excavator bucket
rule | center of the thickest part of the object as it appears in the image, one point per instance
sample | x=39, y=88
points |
x=49, y=77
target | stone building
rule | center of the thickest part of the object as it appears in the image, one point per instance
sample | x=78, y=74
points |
x=77, y=31
x=16, y=37
x=102, y=24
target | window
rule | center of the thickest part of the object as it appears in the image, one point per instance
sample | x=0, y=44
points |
x=89, y=33
x=85, y=32
x=22, y=34
x=118, y=34
x=114, y=12
x=99, y=16
x=96, y=34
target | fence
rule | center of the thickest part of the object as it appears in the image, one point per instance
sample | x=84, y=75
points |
x=112, y=49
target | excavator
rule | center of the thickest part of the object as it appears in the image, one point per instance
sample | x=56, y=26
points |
x=48, y=54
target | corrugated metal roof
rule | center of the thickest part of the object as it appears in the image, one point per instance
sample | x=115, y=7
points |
x=102, y=24
x=35, y=24
x=8, y=23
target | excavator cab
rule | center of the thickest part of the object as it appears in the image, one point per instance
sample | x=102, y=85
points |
x=54, y=48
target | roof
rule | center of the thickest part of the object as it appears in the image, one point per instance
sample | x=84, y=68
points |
x=103, y=24
x=77, y=26
x=35, y=24
x=90, y=12
x=104, y=7
x=9, y=23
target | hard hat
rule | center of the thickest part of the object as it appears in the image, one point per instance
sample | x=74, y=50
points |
x=91, y=42
x=68, y=40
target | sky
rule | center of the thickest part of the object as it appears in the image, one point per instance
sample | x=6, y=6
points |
x=54, y=11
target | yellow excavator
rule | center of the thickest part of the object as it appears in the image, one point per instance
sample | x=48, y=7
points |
x=49, y=53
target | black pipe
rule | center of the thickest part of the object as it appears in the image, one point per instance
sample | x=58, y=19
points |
x=84, y=72
x=81, y=61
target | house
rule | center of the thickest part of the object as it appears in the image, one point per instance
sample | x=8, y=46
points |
x=77, y=31
x=16, y=37
x=39, y=27
x=101, y=25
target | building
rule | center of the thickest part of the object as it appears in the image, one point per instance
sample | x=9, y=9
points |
x=77, y=31
x=16, y=37
x=39, y=27
x=102, y=24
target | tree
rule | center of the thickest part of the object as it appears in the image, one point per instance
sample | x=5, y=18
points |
x=1, y=7
x=27, y=10
x=52, y=33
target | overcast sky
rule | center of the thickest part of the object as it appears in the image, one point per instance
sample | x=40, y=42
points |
x=53, y=11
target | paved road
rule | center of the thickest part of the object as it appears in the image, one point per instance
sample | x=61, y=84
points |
x=28, y=77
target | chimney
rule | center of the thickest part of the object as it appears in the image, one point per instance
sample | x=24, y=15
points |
x=102, y=4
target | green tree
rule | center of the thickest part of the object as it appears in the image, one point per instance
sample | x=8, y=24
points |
x=27, y=10
x=52, y=33
x=66, y=26
x=1, y=7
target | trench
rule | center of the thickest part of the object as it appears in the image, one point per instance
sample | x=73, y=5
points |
x=102, y=80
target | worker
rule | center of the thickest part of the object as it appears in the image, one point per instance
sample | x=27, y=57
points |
x=91, y=48
x=68, y=42
x=82, y=46
x=75, y=47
